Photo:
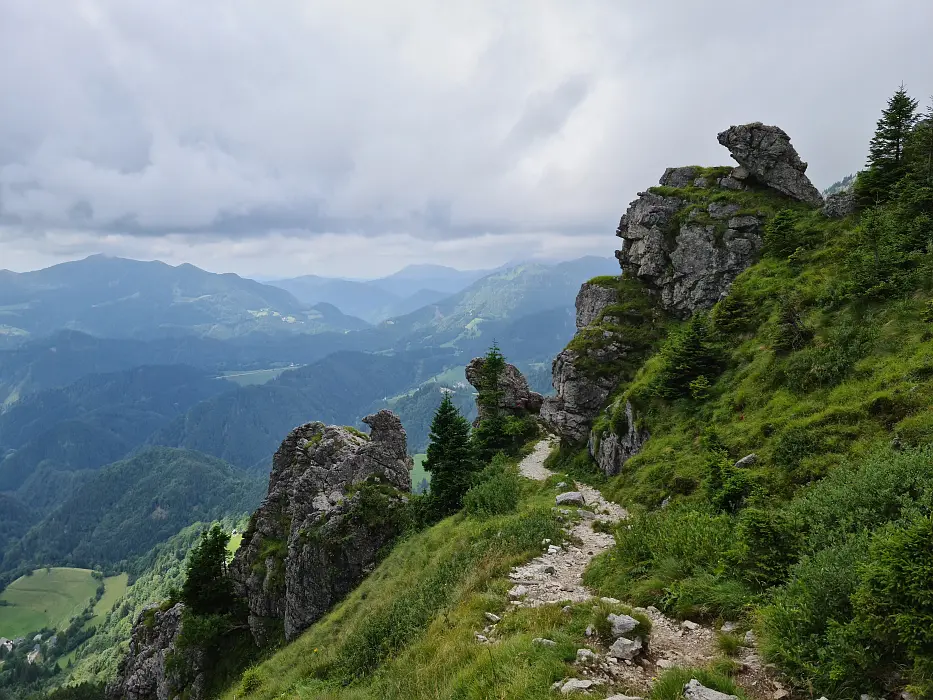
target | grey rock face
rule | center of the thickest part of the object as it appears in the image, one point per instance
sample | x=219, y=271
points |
x=687, y=265
x=694, y=690
x=578, y=398
x=592, y=299
x=768, y=156
x=517, y=398
x=313, y=540
x=611, y=451
x=747, y=461
x=142, y=674
x=679, y=177
x=839, y=205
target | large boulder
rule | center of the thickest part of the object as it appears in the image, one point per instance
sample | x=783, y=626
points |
x=144, y=673
x=767, y=155
x=686, y=262
x=839, y=205
x=335, y=501
x=516, y=398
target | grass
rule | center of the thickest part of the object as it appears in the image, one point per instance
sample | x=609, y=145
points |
x=114, y=588
x=234, y=544
x=418, y=473
x=408, y=630
x=47, y=598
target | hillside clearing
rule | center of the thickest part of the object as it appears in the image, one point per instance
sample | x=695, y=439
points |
x=47, y=598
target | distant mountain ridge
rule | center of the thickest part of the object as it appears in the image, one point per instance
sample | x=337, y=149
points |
x=375, y=300
x=122, y=298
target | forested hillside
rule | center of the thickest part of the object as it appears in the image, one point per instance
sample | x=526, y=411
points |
x=124, y=509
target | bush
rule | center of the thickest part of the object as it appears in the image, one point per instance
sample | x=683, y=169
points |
x=893, y=602
x=688, y=354
x=800, y=629
x=670, y=684
x=829, y=361
x=496, y=491
x=251, y=681
x=766, y=544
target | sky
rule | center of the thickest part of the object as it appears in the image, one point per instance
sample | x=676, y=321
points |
x=349, y=138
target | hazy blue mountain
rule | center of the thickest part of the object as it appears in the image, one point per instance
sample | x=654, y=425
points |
x=120, y=298
x=486, y=307
x=412, y=279
x=66, y=356
x=365, y=300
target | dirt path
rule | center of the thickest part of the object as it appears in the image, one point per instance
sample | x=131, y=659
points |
x=557, y=576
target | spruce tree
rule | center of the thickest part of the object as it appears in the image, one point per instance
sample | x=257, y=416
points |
x=886, y=158
x=920, y=147
x=207, y=589
x=449, y=458
x=491, y=436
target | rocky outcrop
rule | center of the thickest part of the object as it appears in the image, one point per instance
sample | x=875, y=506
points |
x=611, y=450
x=766, y=153
x=592, y=300
x=839, y=205
x=687, y=261
x=144, y=673
x=335, y=501
x=516, y=398
x=579, y=397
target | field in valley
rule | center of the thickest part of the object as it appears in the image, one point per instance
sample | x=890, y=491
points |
x=47, y=598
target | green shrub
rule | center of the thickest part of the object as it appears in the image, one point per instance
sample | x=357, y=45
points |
x=496, y=491
x=828, y=361
x=781, y=237
x=894, y=601
x=688, y=354
x=800, y=628
x=916, y=430
x=766, y=544
x=251, y=681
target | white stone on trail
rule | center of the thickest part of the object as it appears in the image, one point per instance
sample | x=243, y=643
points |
x=625, y=649
x=694, y=690
x=575, y=684
x=570, y=498
x=621, y=624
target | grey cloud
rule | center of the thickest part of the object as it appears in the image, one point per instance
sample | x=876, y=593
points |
x=443, y=121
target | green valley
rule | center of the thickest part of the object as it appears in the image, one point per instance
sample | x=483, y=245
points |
x=46, y=598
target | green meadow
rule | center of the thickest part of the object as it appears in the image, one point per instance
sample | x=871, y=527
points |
x=47, y=598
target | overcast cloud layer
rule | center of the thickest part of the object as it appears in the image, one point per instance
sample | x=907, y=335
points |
x=350, y=137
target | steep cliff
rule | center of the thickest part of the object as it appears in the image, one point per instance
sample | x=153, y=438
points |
x=684, y=244
x=336, y=500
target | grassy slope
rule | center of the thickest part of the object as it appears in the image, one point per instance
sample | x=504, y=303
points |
x=114, y=589
x=45, y=599
x=862, y=382
x=408, y=630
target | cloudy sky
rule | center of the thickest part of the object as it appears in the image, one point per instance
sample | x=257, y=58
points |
x=350, y=137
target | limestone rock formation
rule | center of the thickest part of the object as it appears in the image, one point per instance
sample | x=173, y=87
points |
x=143, y=674
x=334, y=503
x=578, y=398
x=768, y=156
x=592, y=300
x=517, y=398
x=611, y=450
x=688, y=262
x=839, y=205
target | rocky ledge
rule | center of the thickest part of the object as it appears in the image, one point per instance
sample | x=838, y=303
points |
x=145, y=672
x=336, y=500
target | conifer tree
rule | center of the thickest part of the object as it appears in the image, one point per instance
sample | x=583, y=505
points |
x=920, y=147
x=886, y=154
x=490, y=436
x=207, y=589
x=449, y=458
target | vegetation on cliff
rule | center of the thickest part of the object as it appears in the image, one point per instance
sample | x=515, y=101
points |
x=819, y=363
